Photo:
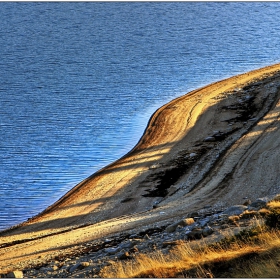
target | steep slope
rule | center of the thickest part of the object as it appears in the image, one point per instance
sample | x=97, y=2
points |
x=213, y=145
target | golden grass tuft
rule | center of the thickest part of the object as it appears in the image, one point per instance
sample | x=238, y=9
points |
x=274, y=204
x=264, y=212
x=253, y=253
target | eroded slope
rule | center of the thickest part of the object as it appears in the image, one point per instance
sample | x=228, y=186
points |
x=214, y=145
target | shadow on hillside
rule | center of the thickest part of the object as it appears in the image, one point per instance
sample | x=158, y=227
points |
x=164, y=176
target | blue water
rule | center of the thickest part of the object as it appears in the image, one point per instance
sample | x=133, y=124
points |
x=79, y=81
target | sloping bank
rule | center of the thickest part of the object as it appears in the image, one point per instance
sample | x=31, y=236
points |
x=211, y=147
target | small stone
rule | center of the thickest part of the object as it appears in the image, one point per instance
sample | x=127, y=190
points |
x=74, y=267
x=134, y=249
x=183, y=222
x=193, y=214
x=111, y=250
x=46, y=269
x=82, y=274
x=204, y=222
x=15, y=274
x=210, y=139
x=259, y=203
x=126, y=245
x=136, y=235
x=171, y=228
x=235, y=210
x=247, y=202
x=196, y=233
x=233, y=219
x=207, y=231
x=146, y=237
x=136, y=241
x=85, y=264
x=124, y=256
x=55, y=268
x=186, y=222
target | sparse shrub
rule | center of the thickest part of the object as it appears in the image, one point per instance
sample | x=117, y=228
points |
x=264, y=212
x=233, y=219
x=242, y=237
x=249, y=214
x=248, y=234
x=272, y=219
x=276, y=198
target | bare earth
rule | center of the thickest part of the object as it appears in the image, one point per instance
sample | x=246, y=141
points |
x=215, y=145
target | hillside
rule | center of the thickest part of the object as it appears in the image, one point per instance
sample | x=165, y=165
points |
x=208, y=149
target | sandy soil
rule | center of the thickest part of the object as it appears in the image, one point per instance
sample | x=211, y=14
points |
x=213, y=146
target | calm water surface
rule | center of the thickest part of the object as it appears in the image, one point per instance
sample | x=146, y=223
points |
x=79, y=81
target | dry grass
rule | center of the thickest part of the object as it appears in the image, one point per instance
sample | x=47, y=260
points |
x=274, y=204
x=256, y=258
x=254, y=253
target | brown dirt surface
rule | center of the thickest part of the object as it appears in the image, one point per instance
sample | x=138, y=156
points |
x=214, y=145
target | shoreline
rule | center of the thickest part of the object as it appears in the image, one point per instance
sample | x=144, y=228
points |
x=194, y=151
